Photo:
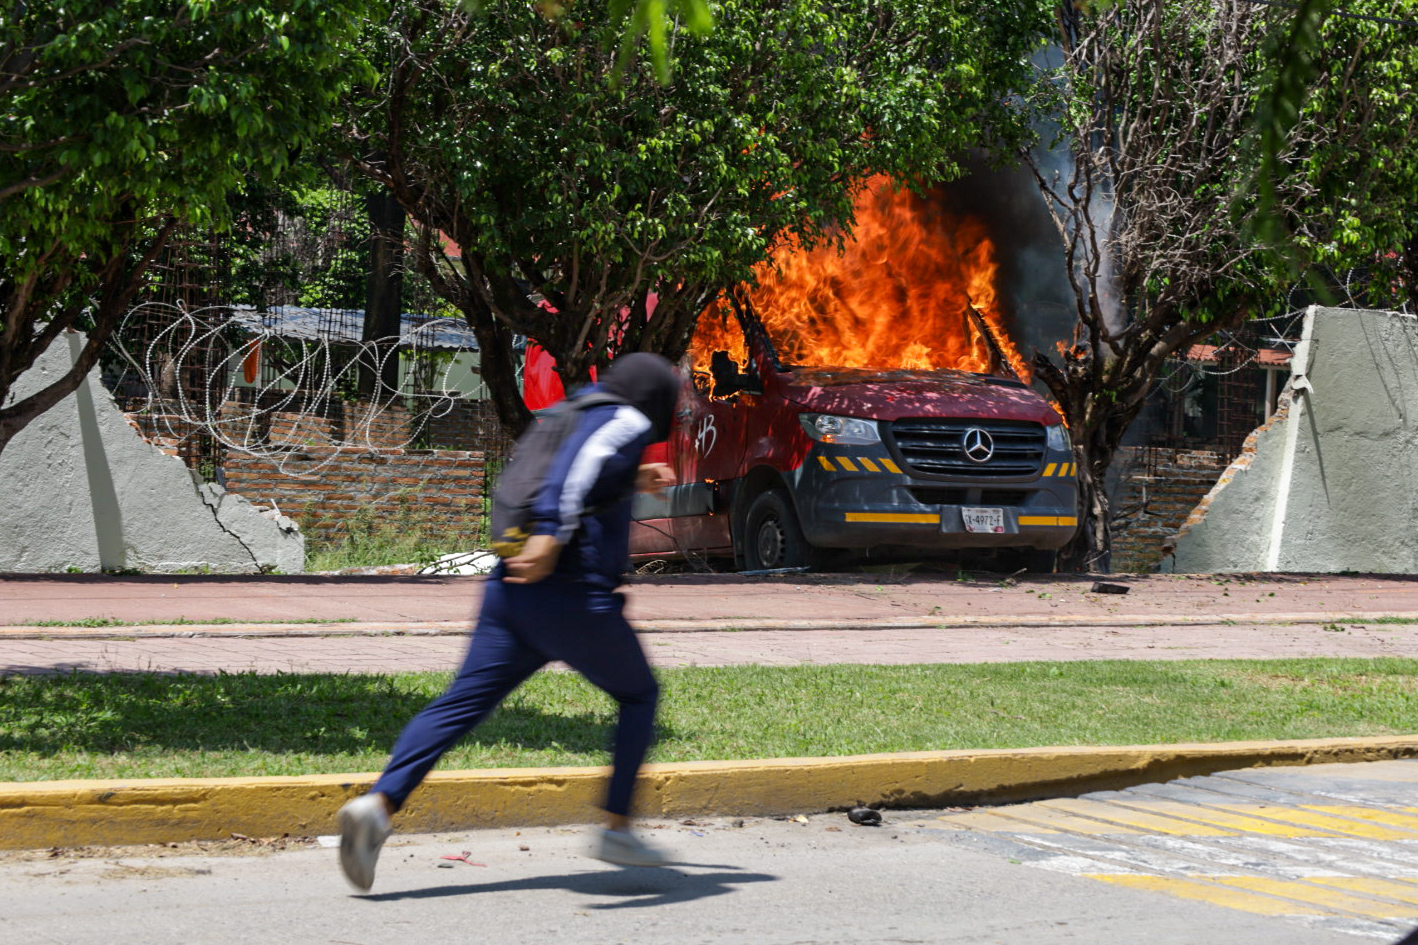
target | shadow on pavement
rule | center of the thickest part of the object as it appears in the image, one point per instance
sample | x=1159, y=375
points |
x=633, y=888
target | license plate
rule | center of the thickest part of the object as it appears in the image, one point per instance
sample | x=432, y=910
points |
x=990, y=521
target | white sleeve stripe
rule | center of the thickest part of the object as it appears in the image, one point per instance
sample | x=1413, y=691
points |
x=601, y=445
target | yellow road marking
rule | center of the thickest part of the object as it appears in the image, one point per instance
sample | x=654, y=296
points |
x=891, y=465
x=1143, y=821
x=1320, y=896
x=910, y=518
x=1326, y=824
x=1408, y=821
x=1206, y=892
x=1404, y=888
x=1221, y=819
x=1034, y=818
x=988, y=822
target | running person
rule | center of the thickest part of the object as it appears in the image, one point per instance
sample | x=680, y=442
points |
x=554, y=600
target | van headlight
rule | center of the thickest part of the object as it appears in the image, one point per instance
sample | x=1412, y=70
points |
x=1057, y=438
x=826, y=428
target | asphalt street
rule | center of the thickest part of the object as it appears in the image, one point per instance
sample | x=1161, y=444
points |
x=916, y=879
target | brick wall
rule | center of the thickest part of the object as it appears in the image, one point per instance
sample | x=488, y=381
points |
x=328, y=490
x=337, y=465
x=435, y=424
x=1157, y=489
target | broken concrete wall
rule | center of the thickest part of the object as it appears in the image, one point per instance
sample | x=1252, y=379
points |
x=83, y=490
x=1326, y=484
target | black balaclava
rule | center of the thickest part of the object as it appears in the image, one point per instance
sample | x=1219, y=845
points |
x=648, y=383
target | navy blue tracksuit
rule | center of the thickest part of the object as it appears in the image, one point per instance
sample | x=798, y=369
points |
x=573, y=616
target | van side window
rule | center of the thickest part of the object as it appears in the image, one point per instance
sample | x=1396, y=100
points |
x=728, y=378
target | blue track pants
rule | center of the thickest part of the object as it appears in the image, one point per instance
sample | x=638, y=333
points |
x=521, y=628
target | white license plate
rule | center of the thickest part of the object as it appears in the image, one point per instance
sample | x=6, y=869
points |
x=990, y=521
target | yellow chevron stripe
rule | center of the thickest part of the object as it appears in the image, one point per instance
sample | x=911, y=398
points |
x=891, y=466
x=846, y=464
x=909, y=518
x=1049, y=469
x=868, y=464
x=1064, y=520
x=826, y=464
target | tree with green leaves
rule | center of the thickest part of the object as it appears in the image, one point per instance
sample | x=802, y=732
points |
x=121, y=120
x=539, y=163
x=1205, y=169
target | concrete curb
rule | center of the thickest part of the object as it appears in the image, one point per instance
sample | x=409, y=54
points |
x=38, y=815
x=739, y=624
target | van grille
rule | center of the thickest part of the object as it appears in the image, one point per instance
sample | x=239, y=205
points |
x=936, y=447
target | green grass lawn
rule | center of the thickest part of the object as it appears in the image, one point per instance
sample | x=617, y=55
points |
x=154, y=725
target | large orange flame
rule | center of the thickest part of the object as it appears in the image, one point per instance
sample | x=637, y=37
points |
x=915, y=288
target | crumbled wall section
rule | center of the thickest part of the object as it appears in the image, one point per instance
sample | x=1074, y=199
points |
x=1325, y=485
x=332, y=491
x=83, y=490
x=1158, y=489
x=1255, y=497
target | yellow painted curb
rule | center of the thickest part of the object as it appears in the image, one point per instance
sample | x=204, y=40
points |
x=43, y=814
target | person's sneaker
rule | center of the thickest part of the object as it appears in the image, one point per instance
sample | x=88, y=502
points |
x=626, y=849
x=364, y=826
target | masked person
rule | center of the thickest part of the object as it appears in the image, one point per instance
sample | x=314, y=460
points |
x=553, y=600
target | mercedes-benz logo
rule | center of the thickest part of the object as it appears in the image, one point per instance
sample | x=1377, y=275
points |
x=979, y=446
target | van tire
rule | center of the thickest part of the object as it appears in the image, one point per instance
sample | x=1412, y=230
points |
x=772, y=537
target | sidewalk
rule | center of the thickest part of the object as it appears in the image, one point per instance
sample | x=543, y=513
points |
x=419, y=624
x=726, y=601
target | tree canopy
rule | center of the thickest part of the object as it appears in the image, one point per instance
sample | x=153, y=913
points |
x=559, y=176
x=1188, y=200
x=121, y=119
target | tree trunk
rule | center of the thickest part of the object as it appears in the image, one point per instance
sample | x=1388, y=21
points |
x=379, y=375
x=18, y=415
x=498, y=366
x=118, y=281
x=1091, y=549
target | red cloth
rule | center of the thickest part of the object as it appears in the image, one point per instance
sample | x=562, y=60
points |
x=541, y=386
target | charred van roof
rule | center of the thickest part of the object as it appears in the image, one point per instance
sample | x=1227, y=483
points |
x=834, y=376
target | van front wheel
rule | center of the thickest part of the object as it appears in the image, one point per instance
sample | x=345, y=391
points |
x=772, y=536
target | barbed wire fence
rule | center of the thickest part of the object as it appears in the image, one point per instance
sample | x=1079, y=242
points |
x=212, y=380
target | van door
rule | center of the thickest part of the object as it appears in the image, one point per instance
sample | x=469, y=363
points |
x=707, y=449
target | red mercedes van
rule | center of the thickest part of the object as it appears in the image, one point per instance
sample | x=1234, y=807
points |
x=779, y=466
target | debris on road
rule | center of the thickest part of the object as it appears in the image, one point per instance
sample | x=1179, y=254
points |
x=864, y=815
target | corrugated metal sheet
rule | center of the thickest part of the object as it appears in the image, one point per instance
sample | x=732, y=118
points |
x=347, y=325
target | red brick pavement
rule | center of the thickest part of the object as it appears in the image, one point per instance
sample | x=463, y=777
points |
x=405, y=624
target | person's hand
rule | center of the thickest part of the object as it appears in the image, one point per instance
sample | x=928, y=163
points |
x=536, y=560
x=654, y=477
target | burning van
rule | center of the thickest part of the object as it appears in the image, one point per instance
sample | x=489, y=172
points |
x=867, y=401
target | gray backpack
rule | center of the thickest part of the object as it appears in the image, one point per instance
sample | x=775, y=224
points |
x=526, y=471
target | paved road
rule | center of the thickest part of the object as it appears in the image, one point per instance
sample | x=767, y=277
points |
x=1329, y=847
x=1305, y=856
